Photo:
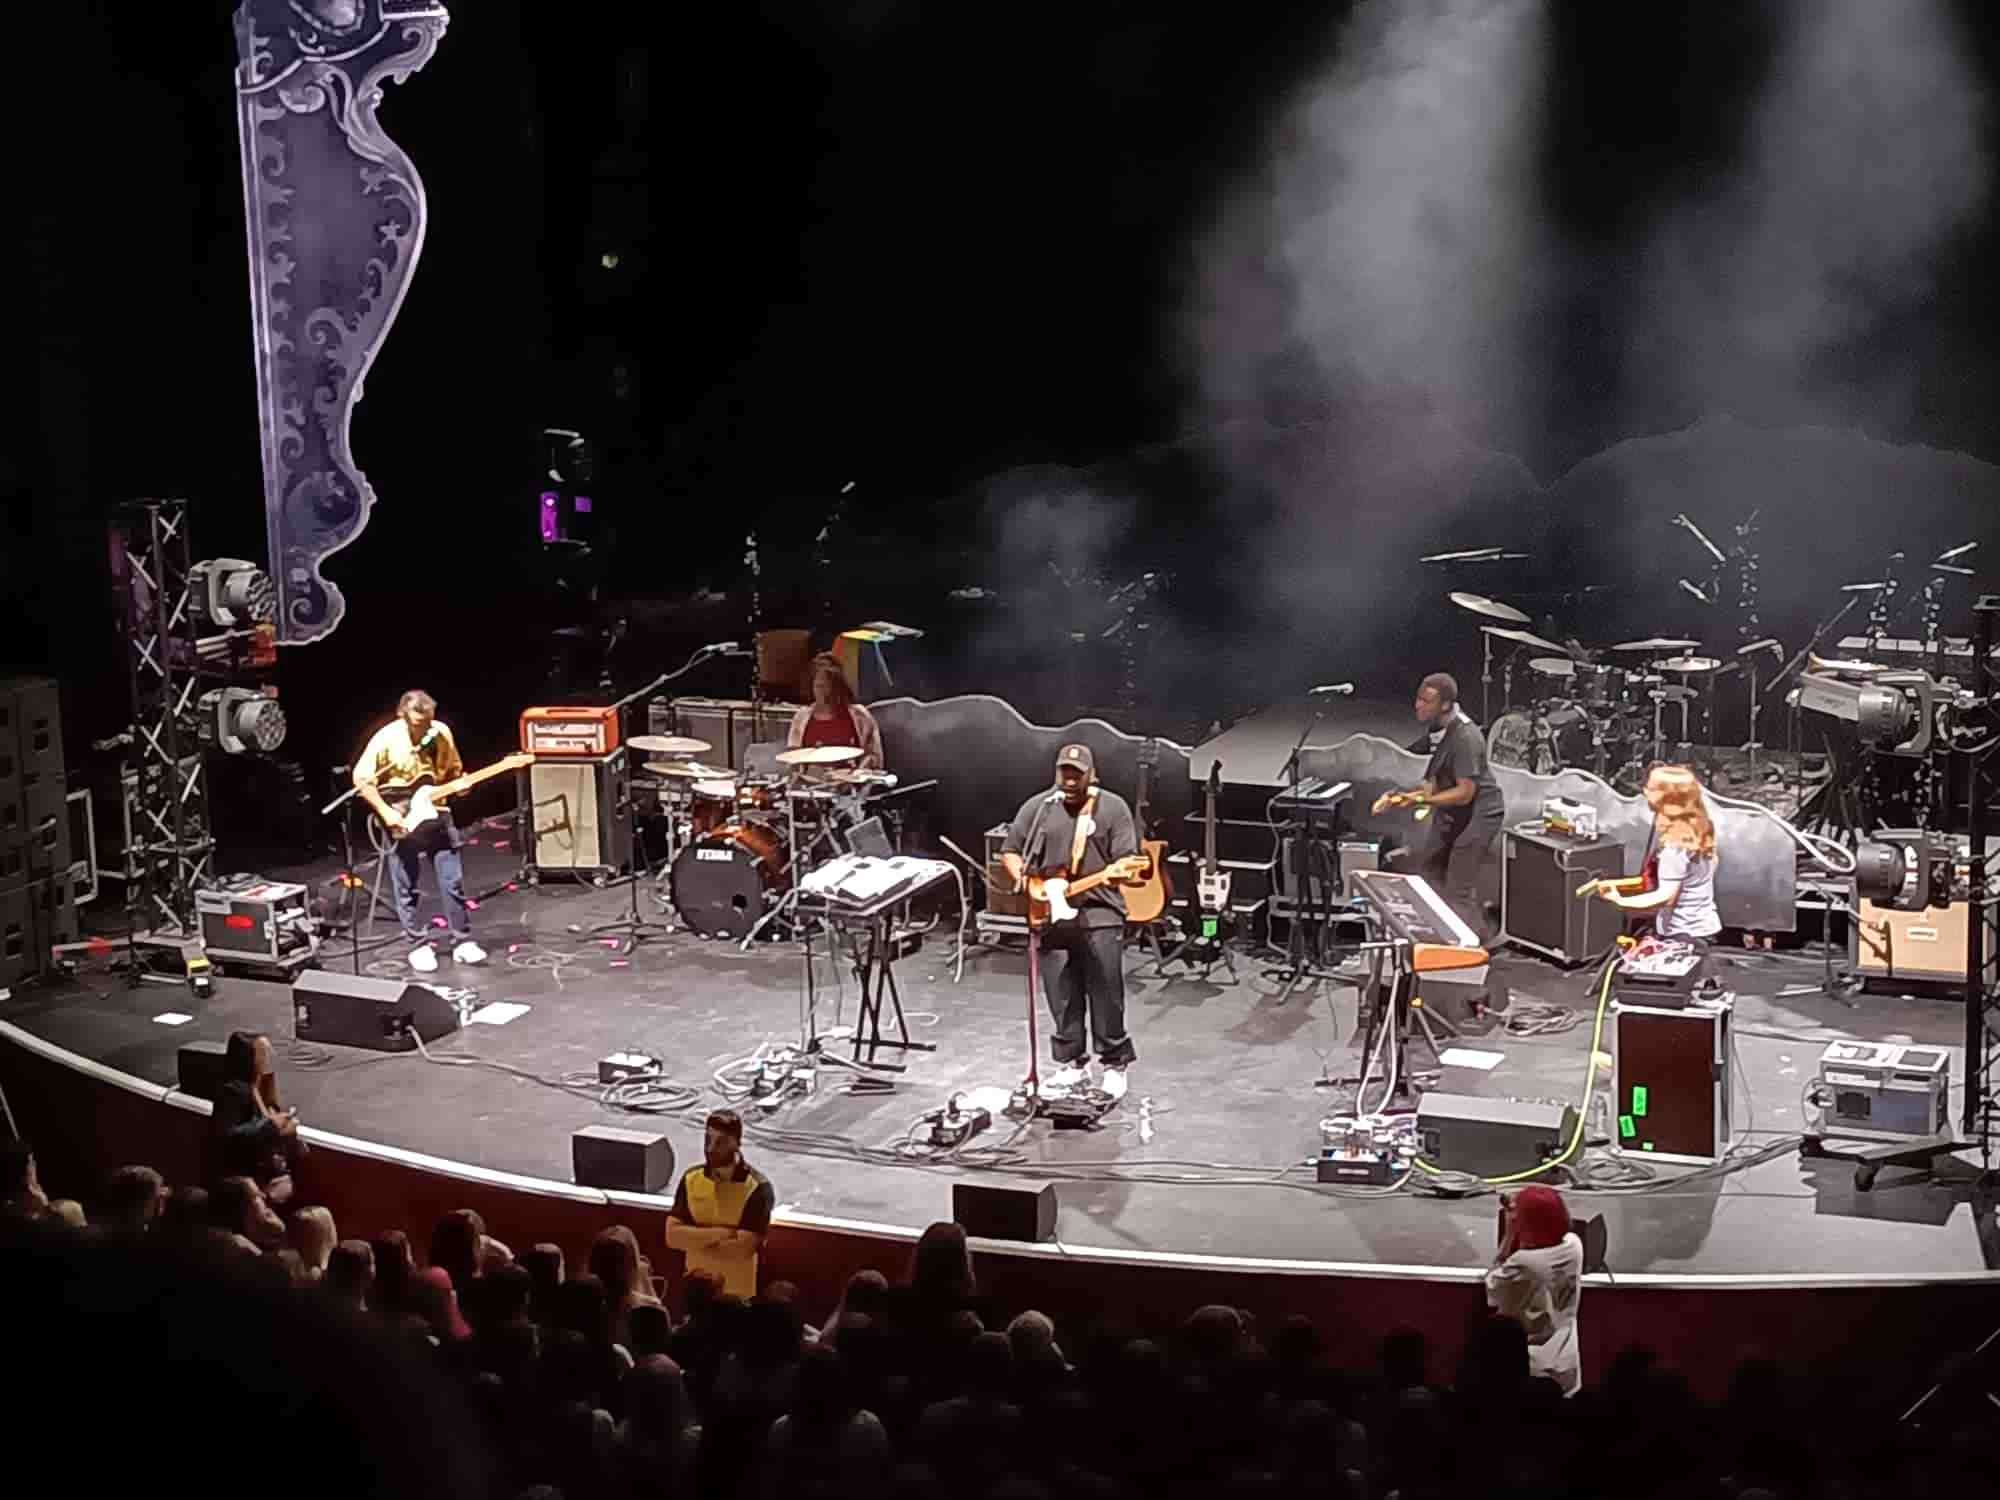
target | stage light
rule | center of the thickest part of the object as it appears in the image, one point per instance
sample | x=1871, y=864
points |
x=1906, y=869
x=232, y=594
x=237, y=720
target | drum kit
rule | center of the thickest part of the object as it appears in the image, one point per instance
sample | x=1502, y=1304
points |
x=1603, y=711
x=731, y=836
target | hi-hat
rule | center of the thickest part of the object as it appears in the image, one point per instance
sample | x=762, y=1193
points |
x=1493, y=609
x=1552, y=666
x=1688, y=664
x=1657, y=643
x=1525, y=637
x=819, y=755
x=669, y=744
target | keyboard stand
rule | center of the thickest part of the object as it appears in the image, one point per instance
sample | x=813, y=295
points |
x=873, y=961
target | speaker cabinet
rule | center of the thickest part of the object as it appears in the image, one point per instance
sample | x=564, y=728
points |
x=991, y=1211
x=198, y=1068
x=354, y=1010
x=624, y=1161
x=1670, y=1084
x=1539, y=907
x=582, y=816
x=1491, y=1137
x=1928, y=944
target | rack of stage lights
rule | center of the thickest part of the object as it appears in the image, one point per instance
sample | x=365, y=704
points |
x=199, y=648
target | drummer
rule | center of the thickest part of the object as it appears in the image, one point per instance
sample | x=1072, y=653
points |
x=834, y=718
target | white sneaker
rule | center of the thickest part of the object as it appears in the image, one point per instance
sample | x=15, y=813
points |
x=424, y=959
x=468, y=952
x=1067, y=1079
x=1113, y=1085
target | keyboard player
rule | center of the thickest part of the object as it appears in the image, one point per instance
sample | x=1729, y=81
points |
x=1458, y=797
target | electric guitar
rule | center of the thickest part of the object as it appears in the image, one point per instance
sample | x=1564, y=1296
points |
x=1212, y=884
x=424, y=801
x=1144, y=902
x=1629, y=885
x=1049, y=895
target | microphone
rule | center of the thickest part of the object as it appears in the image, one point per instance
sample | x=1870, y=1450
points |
x=429, y=735
x=1696, y=592
x=1326, y=688
x=727, y=648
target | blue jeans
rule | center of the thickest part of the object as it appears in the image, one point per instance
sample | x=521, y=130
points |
x=439, y=839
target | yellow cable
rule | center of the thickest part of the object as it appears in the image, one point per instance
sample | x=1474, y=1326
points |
x=1582, y=1114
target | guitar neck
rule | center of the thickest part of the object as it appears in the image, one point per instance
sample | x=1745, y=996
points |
x=472, y=779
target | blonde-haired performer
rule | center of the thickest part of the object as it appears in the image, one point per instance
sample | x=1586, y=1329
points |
x=1682, y=863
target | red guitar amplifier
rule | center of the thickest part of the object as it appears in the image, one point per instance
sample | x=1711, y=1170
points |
x=556, y=732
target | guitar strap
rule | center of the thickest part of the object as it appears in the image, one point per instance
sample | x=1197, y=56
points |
x=1082, y=830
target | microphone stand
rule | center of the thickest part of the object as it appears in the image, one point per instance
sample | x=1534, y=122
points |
x=638, y=929
x=350, y=881
x=1792, y=727
x=1296, y=966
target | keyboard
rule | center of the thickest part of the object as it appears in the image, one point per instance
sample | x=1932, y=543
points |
x=1413, y=912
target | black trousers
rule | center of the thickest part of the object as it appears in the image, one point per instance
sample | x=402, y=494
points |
x=1083, y=975
x=1451, y=861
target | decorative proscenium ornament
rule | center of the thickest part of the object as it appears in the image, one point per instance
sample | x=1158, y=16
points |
x=335, y=217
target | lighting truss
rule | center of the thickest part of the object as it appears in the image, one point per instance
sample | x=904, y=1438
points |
x=170, y=850
x=1982, y=959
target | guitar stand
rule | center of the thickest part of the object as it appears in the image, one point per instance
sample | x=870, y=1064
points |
x=1209, y=952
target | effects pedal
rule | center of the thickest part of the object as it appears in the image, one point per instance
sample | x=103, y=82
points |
x=626, y=1067
x=951, y=1125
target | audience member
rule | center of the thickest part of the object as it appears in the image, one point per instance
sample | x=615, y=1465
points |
x=132, y=1201
x=237, y=1207
x=659, y=1439
x=186, y=1218
x=455, y=1242
x=826, y=1442
x=437, y=1304
x=350, y=1274
x=974, y=1436
x=544, y=1264
x=312, y=1234
x=1537, y=1280
x=251, y=1132
x=866, y=1295
x=21, y=1192
x=652, y=1331
x=627, y=1277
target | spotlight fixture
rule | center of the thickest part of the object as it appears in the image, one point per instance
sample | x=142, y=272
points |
x=236, y=720
x=232, y=594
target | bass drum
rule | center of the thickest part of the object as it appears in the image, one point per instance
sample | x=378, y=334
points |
x=721, y=880
x=1553, y=738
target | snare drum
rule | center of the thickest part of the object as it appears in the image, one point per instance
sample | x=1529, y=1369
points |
x=722, y=879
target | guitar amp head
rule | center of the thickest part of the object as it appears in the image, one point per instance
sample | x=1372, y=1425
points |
x=576, y=732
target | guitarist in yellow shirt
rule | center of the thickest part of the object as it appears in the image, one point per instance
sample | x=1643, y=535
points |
x=416, y=749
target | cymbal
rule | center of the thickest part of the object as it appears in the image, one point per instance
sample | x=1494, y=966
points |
x=819, y=755
x=1862, y=588
x=1852, y=668
x=669, y=744
x=1552, y=666
x=1525, y=637
x=1657, y=643
x=1688, y=664
x=693, y=770
x=1493, y=609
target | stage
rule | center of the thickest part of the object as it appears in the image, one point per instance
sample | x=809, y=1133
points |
x=1206, y=1157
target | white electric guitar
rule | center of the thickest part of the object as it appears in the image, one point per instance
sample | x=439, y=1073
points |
x=424, y=801
x=1050, y=896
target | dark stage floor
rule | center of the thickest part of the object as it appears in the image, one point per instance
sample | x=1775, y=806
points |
x=1226, y=1076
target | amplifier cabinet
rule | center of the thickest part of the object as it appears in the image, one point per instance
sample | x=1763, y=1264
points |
x=581, y=816
x=1928, y=944
x=1670, y=1081
x=1000, y=899
x=730, y=725
x=1539, y=907
x=584, y=733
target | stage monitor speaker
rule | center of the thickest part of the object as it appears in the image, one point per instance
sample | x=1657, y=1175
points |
x=354, y=1010
x=582, y=816
x=624, y=1161
x=990, y=1211
x=1928, y=944
x=1491, y=1137
x=1539, y=906
x=198, y=1067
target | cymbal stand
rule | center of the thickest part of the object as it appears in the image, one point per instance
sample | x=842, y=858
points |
x=1486, y=679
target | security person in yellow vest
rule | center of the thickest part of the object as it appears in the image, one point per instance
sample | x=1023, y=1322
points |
x=722, y=1210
